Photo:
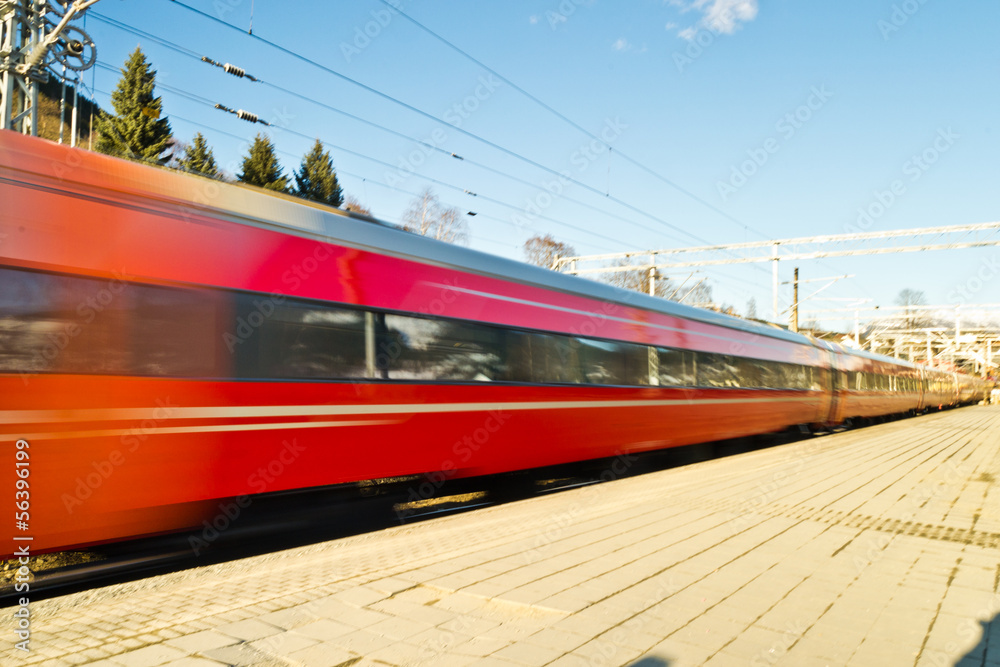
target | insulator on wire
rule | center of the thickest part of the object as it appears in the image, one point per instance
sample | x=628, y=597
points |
x=247, y=116
x=230, y=68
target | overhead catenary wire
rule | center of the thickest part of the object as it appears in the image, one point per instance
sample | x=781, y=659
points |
x=472, y=135
x=432, y=117
x=340, y=172
x=396, y=9
x=203, y=100
x=192, y=53
x=253, y=118
x=197, y=56
x=207, y=102
x=174, y=90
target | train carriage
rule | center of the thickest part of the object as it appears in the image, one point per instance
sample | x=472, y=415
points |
x=169, y=343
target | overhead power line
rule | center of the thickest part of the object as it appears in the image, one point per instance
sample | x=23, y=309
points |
x=195, y=55
x=568, y=120
x=432, y=117
x=343, y=149
x=249, y=116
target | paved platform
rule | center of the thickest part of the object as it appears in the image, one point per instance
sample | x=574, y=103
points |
x=879, y=546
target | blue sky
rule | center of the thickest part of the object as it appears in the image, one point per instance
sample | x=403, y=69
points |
x=778, y=119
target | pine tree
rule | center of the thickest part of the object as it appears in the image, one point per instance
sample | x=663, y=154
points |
x=137, y=130
x=261, y=166
x=198, y=158
x=316, y=179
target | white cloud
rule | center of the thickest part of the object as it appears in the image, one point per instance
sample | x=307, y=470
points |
x=726, y=15
x=719, y=16
x=688, y=33
x=621, y=44
x=670, y=25
x=533, y=19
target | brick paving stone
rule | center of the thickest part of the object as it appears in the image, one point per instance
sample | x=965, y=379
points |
x=389, y=585
x=481, y=646
x=400, y=653
x=437, y=642
x=363, y=642
x=149, y=656
x=248, y=629
x=283, y=643
x=324, y=630
x=201, y=641
x=360, y=596
x=528, y=654
x=399, y=628
x=291, y=617
x=554, y=638
x=322, y=655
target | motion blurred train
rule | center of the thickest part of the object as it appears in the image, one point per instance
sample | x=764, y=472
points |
x=170, y=344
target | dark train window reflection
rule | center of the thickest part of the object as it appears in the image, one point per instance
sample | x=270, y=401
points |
x=287, y=339
x=72, y=324
x=425, y=349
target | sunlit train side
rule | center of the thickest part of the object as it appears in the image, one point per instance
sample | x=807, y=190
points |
x=169, y=343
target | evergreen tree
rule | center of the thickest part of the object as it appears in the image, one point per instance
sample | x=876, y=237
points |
x=316, y=179
x=261, y=166
x=137, y=130
x=198, y=158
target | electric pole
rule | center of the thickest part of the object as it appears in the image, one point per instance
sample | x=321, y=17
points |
x=34, y=36
x=795, y=301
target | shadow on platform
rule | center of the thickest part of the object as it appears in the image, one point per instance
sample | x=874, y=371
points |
x=985, y=652
x=650, y=662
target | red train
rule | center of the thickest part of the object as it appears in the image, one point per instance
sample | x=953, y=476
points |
x=169, y=343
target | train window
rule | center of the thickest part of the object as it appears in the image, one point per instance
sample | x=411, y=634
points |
x=783, y=376
x=717, y=370
x=676, y=368
x=612, y=362
x=175, y=332
x=749, y=372
x=62, y=324
x=854, y=380
x=291, y=339
x=637, y=372
x=600, y=361
x=772, y=374
x=443, y=350
x=821, y=379
x=541, y=358
x=796, y=376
